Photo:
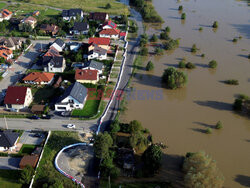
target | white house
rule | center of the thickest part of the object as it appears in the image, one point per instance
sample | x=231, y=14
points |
x=72, y=14
x=5, y=15
x=97, y=53
x=110, y=33
x=58, y=44
x=18, y=97
x=94, y=65
x=74, y=97
x=54, y=64
x=80, y=28
x=8, y=140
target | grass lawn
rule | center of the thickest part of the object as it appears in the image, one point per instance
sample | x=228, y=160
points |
x=86, y=5
x=2, y=5
x=9, y=178
x=27, y=149
x=43, y=94
x=90, y=109
x=46, y=172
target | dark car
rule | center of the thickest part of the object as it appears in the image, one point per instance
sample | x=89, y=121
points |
x=38, y=135
x=34, y=117
x=46, y=116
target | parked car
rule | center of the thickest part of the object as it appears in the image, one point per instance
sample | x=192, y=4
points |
x=46, y=116
x=65, y=113
x=14, y=110
x=38, y=135
x=34, y=117
x=71, y=126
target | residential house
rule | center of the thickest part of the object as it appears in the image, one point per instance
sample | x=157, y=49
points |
x=80, y=28
x=94, y=65
x=74, y=46
x=5, y=15
x=53, y=63
x=86, y=76
x=72, y=14
x=6, y=53
x=52, y=52
x=58, y=44
x=98, y=16
x=13, y=43
x=8, y=140
x=28, y=160
x=109, y=25
x=39, y=78
x=110, y=33
x=27, y=21
x=97, y=53
x=18, y=97
x=74, y=97
x=101, y=42
x=50, y=29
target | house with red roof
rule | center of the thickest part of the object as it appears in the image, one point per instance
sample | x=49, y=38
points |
x=5, y=15
x=87, y=76
x=110, y=33
x=39, y=78
x=100, y=42
x=18, y=97
x=6, y=53
x=109, y=25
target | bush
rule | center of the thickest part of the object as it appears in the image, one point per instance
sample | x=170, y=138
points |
x=144, y=51
x=150, y=66
x=212, y=64
x=154, y=38
x=26, y=175
x=183, y=16
x=158, y=51
x=108, y=6
x=167, y=29
x=28, y=42
x=201, y=28
x=190, y=65
x=182, y=64
x=235, y=40
x=171, y=44
x=173, y=78
x=194, y=48
x=215, y=24
x=202, y=55
x=238, y=104
x=218, y=125
x=164, y=36
x=232, y=82
x=180, y=8
x=208, y=131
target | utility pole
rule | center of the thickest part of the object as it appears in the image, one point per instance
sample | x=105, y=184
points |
x=6, y=125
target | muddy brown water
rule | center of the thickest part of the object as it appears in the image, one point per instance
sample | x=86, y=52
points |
x=180, y=118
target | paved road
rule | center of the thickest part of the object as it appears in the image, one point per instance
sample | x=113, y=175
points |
x=10, y=163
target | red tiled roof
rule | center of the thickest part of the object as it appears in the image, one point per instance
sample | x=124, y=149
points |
x=99, y=41
x=15, y=95
x=52, y=52
x=110, y=23
x=6, y=13
x=86, y=74
x=122, y=34
x=110, y=32
x=5, y=52
x=39, y=77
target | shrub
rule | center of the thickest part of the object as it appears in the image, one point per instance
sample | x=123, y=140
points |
x=202, y=55
x=144, y=51
x=232, y=82
x=208, y=131
x=164, y=35
x=212, y=64
x=182, y=64
x=194, y=48
x=190, y=65
x=167, y=29
x=150, y=66
x=235, y=40
x=201, y=28
x=28, y=42
x=108, y=6
x=243, y=97
x=173, y=78
x=218, y=125
x=237, y=104
x=183, y=16
x=154, y=38
x=158, y=51
x=240, y=37
x=171, y=44
x=26, y=175
x=215, y=24
x=180, y=8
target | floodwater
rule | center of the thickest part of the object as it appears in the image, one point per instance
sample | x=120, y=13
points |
x=180, y=118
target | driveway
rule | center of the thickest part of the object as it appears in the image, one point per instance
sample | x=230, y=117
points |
x=10, y=163
x=28, y=138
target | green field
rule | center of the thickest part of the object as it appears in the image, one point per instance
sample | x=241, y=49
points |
x=90, y=109
x=2, y=5
x=9, y=178
x=27, y=149
x=86, y=5
x=46, y=172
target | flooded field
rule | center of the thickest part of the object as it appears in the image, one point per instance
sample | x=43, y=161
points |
x=180, y=118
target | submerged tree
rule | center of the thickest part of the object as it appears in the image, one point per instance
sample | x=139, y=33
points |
x=150, y=66
x=173, y=78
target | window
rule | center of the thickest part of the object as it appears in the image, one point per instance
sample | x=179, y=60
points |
x=61, y=108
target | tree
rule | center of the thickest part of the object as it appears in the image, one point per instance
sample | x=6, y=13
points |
x=158, y=51
x=154, y=38
x=108, y=168
x=2, y=27
x=201, y=28
x=212, y=64
x=201, y=171
x=26, y=175
x=115, y=126
x=144, y=51
x=190, y=65
x=167, y=29
x=248, y=56
x=150, y=66
x=2, y=60
x=28, y=42
x=183, y=16
x=108, y=6
x=215, y=24
x=194, y=48
x=152, y=157
x=235, y=40
x=173, y=78
x=135, y=126
x=103, y=141
x=218, y=125
x=182, y=64
x=171, y=44
x=180, y=8
x=164, y=35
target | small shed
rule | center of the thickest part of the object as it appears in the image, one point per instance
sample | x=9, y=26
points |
x=28, y=160
x=37, y=109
